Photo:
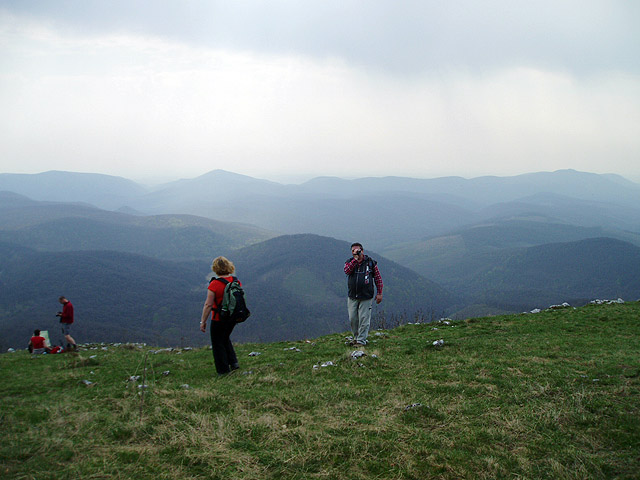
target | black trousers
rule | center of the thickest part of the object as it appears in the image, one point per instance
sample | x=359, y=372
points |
x=224, y=355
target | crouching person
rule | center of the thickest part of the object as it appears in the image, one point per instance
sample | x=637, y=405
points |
x=37, y=344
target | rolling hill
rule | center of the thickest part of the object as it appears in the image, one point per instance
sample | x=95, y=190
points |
x=520, y=279
x=117, y=296
x=557, y=208
x=295, y=286
x=49, y=226
x=574, y=272
x=465, y=250
x=307, y=271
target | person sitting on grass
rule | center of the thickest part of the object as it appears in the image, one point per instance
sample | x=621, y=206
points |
x=37, y=343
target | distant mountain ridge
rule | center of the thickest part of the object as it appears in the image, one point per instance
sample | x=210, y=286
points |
x=53, y=184
x=105, y=191
x=393, y=209
x=473, y=239
x=401, y=208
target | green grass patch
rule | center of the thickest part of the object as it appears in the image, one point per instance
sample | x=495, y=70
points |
x=551, y=395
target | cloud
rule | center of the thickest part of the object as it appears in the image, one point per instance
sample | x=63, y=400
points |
x=583, y=36
x=128, y=101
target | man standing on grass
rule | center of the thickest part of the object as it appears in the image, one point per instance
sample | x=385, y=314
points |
x=362, y=272
x=66, y=319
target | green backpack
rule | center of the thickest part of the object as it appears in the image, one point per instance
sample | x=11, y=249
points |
x=233, y=306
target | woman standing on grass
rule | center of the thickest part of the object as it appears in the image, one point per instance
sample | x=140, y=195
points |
x=224, y=355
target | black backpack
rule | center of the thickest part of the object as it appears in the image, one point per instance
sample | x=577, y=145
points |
x=233, y=306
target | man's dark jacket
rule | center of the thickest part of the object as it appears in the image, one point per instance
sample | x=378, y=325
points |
x=360, y=281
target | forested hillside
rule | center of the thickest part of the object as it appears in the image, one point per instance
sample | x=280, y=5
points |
x=521, y=279
x=575, y=272
x=305, y=272
x=448, y=256
x=117, y=296
x=295, y=285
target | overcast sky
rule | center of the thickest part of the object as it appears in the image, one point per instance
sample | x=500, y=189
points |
x=287, y=90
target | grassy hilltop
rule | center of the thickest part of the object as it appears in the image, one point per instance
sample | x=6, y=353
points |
x=548, y=395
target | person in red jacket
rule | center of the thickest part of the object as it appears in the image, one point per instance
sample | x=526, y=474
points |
x=66, y=319
x=37, y=343
x=224, y=356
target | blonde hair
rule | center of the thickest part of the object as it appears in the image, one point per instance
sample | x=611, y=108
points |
x=222, y=266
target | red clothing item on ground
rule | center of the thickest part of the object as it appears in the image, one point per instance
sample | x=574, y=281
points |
x=37, y=342
x=67, y=313
x=218, y=289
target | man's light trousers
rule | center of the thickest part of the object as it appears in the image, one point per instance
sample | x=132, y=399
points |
x=360, y=318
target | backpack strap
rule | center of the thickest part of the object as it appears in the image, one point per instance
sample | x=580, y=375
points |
x=225, y=282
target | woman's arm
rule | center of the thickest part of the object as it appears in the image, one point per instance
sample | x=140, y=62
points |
x=206, y=310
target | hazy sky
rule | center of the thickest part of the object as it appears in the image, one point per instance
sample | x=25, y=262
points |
x=287, y=90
